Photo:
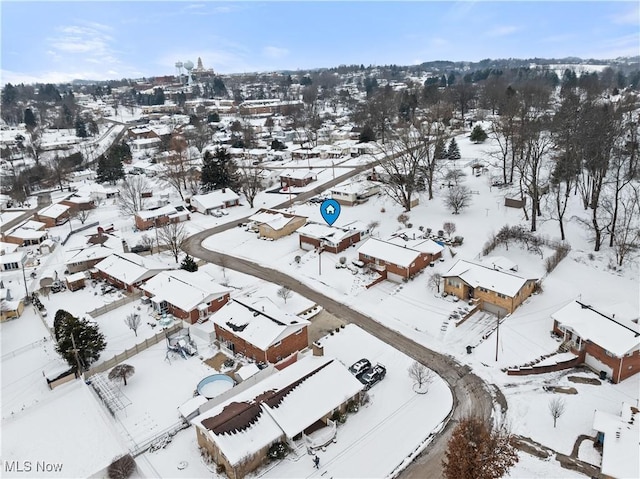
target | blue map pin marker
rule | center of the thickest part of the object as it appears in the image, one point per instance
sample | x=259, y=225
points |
x=330, y=210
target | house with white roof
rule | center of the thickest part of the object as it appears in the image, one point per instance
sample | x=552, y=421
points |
x=275, y=224
x=497, y=291
x=10, y=305
x=297, y=177
x=355, y=192
x=97, y=192
x=607, y=340
x=53, y=215
x=331, y=238
x=26, y=234
x=12, y=261
x=127, y=270
x=238, y=432
x=217, y=199
x=260, y=330
x=618, y=436
x=397, y=261
x=190, y=296
x=157, y=217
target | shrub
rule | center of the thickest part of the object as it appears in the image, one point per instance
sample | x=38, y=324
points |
x=122, y=467
x=297, y=259
x=382, y=210
x=352, y=406
x=403, y=219
x=277, y=451
x=343, y=260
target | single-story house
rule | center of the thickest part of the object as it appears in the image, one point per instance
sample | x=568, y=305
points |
x=141, y=132
x=607, y=342
x=191, y=296
x=332, y=238
x=618, y=437
x=27, y=234
x=97, y=192
x=398, y=262
x=78, y=203
x=238, y=432
x=276, y=224
x=12, y=261
x=356, y=192
x=128, y=270
x=260, y=330
x=161, y=216
x=86, y=258
x=499, y=292
x=53, y=215
x=298, y=177
x=224, y=198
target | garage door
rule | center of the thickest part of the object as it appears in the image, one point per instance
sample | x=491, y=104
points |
x=395, y=277
x=492, y=308
x=597, y=365
x=306, y=246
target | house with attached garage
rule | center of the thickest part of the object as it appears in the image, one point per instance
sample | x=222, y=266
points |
x=350, y=194
x=260, y=330
x=157, y=217
x=606, y=339
x=497, y=291
x=274, y=224
x=127, y=270
x=26, y=234
x=53, y=215
x=190, y=296
x=397, y=259
x=297, y=400
x=297, y=178
x=331, y=238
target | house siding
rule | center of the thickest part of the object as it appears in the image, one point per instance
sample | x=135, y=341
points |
x=289, y=345
x=508, y=303
x=341, y=246
x=421, y=262
x=267, y=231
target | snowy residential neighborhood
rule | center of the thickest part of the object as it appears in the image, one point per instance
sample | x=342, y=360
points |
x=343, y=272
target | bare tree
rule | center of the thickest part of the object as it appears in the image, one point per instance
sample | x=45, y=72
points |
x=556, y=409
x=478, y=452
x=122, y=372
x=250, y=182
x=83, y=214
x=627, y=237
x=130, y=200
x=176, y=168
x=284, y=293
x=421, y=375
x=373, y=225
x=146, y=241
x=59, y=166
x=133, y=322
x=435, y=280
x=458, y=198
x=173, y=235
x=449, y=228
x=122, y=467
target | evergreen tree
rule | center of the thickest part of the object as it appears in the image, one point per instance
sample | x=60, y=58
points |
x=218, y=171
x=367, y=134
x=89, y=341
x=81, y=128
x=453, y=152
x=110, y=167
x=478, y=135
x=440, y=151
x=189, y=264
x=29, y=118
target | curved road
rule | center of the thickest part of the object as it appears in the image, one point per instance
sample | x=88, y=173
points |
x=471, y=395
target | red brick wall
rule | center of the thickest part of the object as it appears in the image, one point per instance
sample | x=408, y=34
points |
x=142, y=224
x=289, y=345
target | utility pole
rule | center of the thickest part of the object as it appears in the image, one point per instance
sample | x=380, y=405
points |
x=320, y=260
x=75, y=353
x=155, y=222
x=497, y=335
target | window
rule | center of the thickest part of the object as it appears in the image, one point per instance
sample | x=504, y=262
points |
x=500, y=295
x=275, y=345
x=299, y=331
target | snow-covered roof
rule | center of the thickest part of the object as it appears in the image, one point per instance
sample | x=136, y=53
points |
x=389, y=252
x=130, y=268
x=183, y=289
x=259, y=322
x=15, y=257
x=284, y=403
x=247, y=371
x=499, y=262
x=53, y=211
x=331, y=234
x=355, y=187
x=620, y=448
x=616, y=335
x=216, y=198
x=166, y=210
x=298, y=174
x=72, y=278
x=6, y=248
x=419, y=244
x=476, y=275
x=87, y=446
x=272, y=218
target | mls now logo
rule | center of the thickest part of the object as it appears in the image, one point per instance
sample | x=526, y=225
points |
x=28, y=466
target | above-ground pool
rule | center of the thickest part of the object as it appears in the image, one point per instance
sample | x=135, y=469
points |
x=214, y=385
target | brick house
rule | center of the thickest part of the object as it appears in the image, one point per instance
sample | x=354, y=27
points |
x=218, y=199
x=147, y=219
x=398, y=262
x=275, y=224
x=260, y=330
x=78, y=203
x=498, y=291
x=53, y=215
x=332, y=239
x=190, y=296
x=294, y=401
x=298, y=178
x=127, y=270
x=607, y=343
x=26, y=234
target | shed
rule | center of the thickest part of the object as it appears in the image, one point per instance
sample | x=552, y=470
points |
x=75, y=281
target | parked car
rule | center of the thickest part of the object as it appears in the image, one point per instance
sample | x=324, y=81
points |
x=216, y=213
x=140, y=248
x=360, y=366
x=372, y=375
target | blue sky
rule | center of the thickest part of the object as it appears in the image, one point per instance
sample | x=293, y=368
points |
x=103, y=40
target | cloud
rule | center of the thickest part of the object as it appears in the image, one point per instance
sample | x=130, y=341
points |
x=275, y=52
x=88, y=41
x=502, y=31
x=629, y=17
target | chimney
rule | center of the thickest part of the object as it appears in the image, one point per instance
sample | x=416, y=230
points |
x=318, y=349
x=125, y=247
x=224, y=189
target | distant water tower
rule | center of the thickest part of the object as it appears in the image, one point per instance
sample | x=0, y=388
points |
x=179, y=68
x=188, y=65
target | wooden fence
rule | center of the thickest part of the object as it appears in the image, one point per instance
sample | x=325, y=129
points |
x=116, y=304
x=118, y=358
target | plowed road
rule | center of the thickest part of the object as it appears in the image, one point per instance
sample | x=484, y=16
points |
x=471, y=394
